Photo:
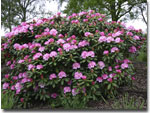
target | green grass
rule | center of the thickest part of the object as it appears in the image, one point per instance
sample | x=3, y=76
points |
x=129, y=103
x=7, y=101
x=142, y=57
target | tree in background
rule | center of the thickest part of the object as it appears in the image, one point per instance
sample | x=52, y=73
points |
x=17, y=11
x=114, y=9
x=8, y=14
x=142, y=8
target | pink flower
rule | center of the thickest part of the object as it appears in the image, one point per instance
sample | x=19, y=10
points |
x=17, y=46
x=74, y=91
x=109, y=79
x=133, y=78
x=102, y=39
x=75, y=21
x=104, y=76
x=132, y=49
x=12, y=66
x=60, y=36
x=130, y=33
x=37, y=55
x=53, y=32
x=114, y=49
x=118, y=71
x=46, y=56
x=22, y=100
x=41, y=49
x=37, y=44
x=116, y=34
x=76, y=65
x=15, y=77
x=109, y=39
x=60, y=41
x=46, y=30
x=38, y=36
x=117, y=66
x=87, y=34
x=83, y=43
x=78, y=75
x=24, y=46
x=85, y=20
x=20, y=75
x=84, y=54
x=83, y=77
x=99, y=79
x=62, y=74
x=102, y=33
x=39, y=66
x=59, y=49
x=109, y=68
x=136, y=37
x=126, y=61
x=100, y=19
x=51, y=40
x=7, y=76
x=73, y=41
x=5, y=85
x=41, y=85
x=91, y=54
x=26, y=57
x=101, y=64
x=24, y=80
x=53, y=75
x=106, y=52
x=111, y=75
x=54, y=95
x=124, y=65
x=67, y=89
x=13, y=87
x=24, y=75
x=66, y=47
x=117, y=40
x=20, y=61
x=53, y=54
x=31, y=66
x=8, y=63
x=18, y=86
x=91, y=64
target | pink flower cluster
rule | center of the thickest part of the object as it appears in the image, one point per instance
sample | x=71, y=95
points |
x=37, y=55
x=106, y=77
x=51, y=40
x=101, y=64
x=67, y=47
x=87, y=34
x=132, y=49
x=20, y=47
x=114, y=49
x=78, y=75
x=86, y=54
x=76, y=65
x=47, y=32
x=83, y=43
x=91, y=64
x=47, y=55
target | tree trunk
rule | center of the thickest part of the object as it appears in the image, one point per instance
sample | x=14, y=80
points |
x=113, y=11
x=9, y=16
x=24, y=15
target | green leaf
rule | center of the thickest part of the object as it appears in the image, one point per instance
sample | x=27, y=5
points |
x=109, y=86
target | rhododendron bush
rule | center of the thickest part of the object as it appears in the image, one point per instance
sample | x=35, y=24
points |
x=67, y=61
